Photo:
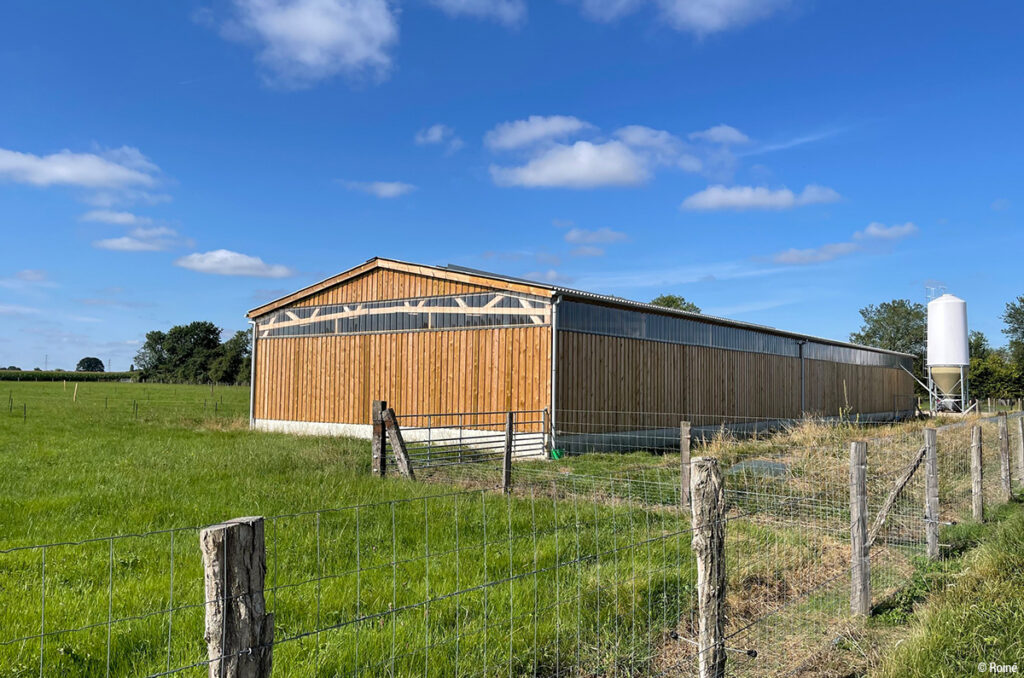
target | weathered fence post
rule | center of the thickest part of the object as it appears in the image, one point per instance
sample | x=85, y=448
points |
x=977, y=492
x=860, y=561
x=379, y=461
x=931, y=493
x=1020, y=450
x=239, y=631
x=506, y=464
x=402, y=459
x=1004, y=457
x=707, y=496
x=684, y=464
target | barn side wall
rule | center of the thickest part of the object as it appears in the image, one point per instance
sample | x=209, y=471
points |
x=598, y=375
x=335, y=379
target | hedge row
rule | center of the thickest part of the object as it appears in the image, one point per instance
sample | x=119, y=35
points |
x=33, y=375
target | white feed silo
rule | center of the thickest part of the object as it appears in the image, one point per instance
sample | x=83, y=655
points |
x=948, y=353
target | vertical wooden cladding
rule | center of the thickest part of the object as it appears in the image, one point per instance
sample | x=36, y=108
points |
x=335, y=379
x=616, y=376
x=832, y=387
x=381, y=283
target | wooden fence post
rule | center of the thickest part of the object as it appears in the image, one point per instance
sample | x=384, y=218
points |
x=860, y=561
x=931, y=494
x=684, y=464
x=239, y=631
x=402, y=459
x=506, y=465
x=1020, y=450
x=379, y=462
x=707, y=496
x=1004, y=457
x=977, y=491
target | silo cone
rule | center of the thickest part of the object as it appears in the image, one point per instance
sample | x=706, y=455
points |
x=947, y=380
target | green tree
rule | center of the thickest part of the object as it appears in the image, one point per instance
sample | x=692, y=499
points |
x=1013, y=319
x=897, y=325
x=151, y=356
x=185, y=353
x=995, y=375
x=232, y=365
x=978, y=345
x=675, y=301
x=89, y=364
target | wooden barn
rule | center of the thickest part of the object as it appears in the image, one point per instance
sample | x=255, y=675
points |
x=450, y=341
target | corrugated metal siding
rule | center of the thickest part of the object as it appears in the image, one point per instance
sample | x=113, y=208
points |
x=615, y=322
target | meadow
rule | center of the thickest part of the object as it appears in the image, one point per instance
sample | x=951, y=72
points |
x=585, y=569
x=364, y=575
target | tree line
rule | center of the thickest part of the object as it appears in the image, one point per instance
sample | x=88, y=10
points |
x=195, y=354
x=995, y=372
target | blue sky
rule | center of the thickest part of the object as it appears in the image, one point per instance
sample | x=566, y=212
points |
x=780, y=162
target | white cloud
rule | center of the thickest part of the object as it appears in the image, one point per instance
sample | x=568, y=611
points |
x=226, y=262
x=27, y=279
x=696, y=16
x=536, y=128
x=31, y=275
x=119, y=168
x=115, y=217
x=508, y=12
x=664, y=146
x=875, y=231
x=587, y=251
x=581, y=165
x=107, y=199
x=721, y=197
x=609, y=10
x=142, y=239
x=816, y=255
x=794, y=142
x=604, y=236
x=548, y=276
x=883, y=232
x=434, y=134
x=439, y=134
x=14, y=309
x=126, y=244
x=721, y=134
x=711, y=16
x=381, y=189
x=304, y=41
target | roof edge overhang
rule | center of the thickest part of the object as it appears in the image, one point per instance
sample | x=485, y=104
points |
x=441, y=273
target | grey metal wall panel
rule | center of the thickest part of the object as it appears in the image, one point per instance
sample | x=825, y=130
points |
x=595, y=319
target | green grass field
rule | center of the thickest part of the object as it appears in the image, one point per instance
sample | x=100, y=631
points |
x=566, y=586
x=399, y=578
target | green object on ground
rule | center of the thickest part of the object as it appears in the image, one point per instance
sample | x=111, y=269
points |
x=556, y=453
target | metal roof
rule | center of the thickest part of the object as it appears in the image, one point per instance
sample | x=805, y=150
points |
x=654, y=308
x=582, y=295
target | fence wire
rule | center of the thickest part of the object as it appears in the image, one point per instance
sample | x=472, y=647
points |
x=584, y=568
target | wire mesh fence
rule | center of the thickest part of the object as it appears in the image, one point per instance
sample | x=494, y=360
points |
x=439, y=440
x=583, y=568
